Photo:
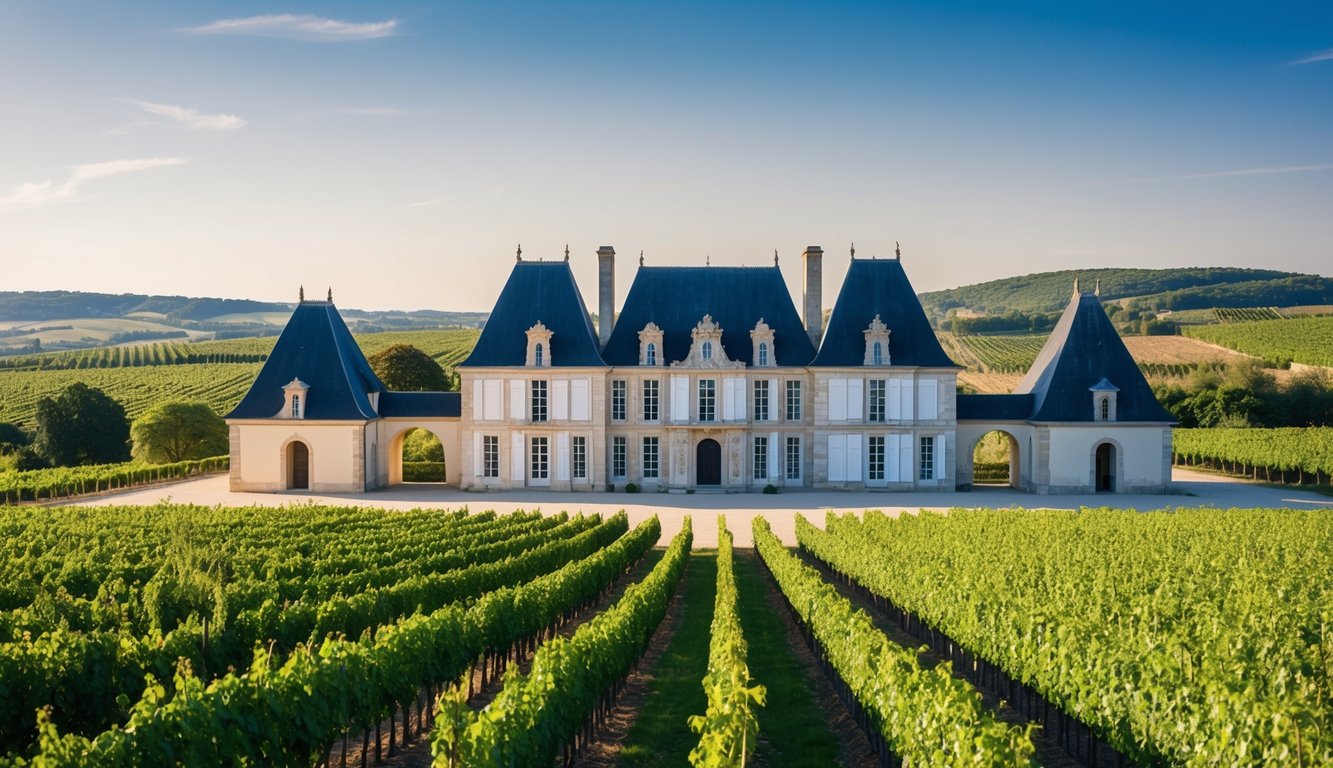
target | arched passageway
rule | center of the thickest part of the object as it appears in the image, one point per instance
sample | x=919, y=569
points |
x=417, y=457
x=1104, y=472
x=996, y=460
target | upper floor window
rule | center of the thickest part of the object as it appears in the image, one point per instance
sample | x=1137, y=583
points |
x=652, y=399
x=618, y=400
x=763, y=353
x=538, y=355
x=793, y=401
x=296, y=406
x=650, y=357
x=707, y=399
x=877, y=355
x=538, y=401
x=706, y=350
x=760, y=400
x=875, y=409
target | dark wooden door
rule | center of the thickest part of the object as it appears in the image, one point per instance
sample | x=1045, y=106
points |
x=300, y=466
x=1105, y=467
x=708, y=463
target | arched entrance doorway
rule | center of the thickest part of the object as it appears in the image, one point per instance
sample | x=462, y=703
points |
x=708, y=462
x=1104, y=475
x=995, y=460
x=418, y=457
x=298, y=466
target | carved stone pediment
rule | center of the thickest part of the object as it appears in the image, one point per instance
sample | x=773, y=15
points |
x=706, y=349
x=650, y=345
x=764, y=352
x=877, y=334
x=539, y=345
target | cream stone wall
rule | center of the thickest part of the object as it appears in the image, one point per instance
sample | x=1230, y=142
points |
x=337, y=451
x=1067, y=457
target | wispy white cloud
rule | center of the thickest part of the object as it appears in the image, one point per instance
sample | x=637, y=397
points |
x=1312, y=58
x=428, y=203
x=193, y=118
x=1268, y=170
x=37, y=194
x=298, y=27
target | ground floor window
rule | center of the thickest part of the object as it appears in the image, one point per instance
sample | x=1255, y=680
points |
x=875, y=458
x=541, y=458
x=650, y=465
x=618, y=452
x=793, y=458
x=490, y=456
x=579, y=458
x=927, y=458
x=760, y=457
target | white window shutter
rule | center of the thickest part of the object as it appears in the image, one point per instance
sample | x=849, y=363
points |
x=476, y=454
x=855, y=396
x=680, y=398
x=478, y=400
x=560, y=400
x=580, y=400
x=773, y=403
x=562, y=456
x=739, y=386
x=854, y=457
x=494, y=406
x=777, y=454
x=895, y=399
x=837, y=400
x=728, y=401
x=518, y=400
x=837, y=458
x=906, y=444
x=517, y=457
x=907, y=393
x=941, y=467
x=930, y=403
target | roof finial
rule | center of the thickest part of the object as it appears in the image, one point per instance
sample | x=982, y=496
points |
x=775, y=257
x=330, y=297
x=1076, y=290
x=301, y=296
x=897, y=251
x=708, y=260
x=641, y=258
x=566, y=251
x=1098, y=290
x=519, y=255
x=853, y=250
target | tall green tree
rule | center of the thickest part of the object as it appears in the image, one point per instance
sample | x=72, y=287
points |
x=81, y=425
x=170, y=432
x=404, y=368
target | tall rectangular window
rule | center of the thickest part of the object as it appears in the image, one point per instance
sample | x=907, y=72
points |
x=793, y=401
x=578, y=457
x=618, y=400
x=761, y=400
x=541, y=458
x=490, y=456
x=296, y=406
x=538, y=403
x=793, y=458
x=618, y=452
x=875, y=458
x=760, y=458
x=707, y=399
x=650, y=458
x=927, y=458
x=875, y=410
x=652, y=400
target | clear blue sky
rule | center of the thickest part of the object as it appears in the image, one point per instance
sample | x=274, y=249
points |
x=399, y=151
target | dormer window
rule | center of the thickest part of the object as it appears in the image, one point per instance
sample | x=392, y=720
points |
x=706, y=350
x=1103, y=400
x=295, y=400
x=650, y=345
x=877, y=343
x=762, y=340
x=539, y=345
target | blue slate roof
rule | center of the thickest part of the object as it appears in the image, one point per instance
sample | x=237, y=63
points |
x=538, y=292
x=423, y=404
x=879, y=287
x=994, y=407
x=316, y=348
x=1082, y=351
x=677, y=298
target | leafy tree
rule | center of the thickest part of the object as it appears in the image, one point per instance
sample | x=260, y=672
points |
x=81, y=425
x=404, y=368
x=170, y=432
x=12, y=437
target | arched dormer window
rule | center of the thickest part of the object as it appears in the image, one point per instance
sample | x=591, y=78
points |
x=762, y=340
x=296, y=406
x=1103, y=400
x=294, y=396
x=650, y=344
x=877, y=354
x=877, y=343
x=650, y=356
x=706, y=350
x=763, y=353
x=539, y=345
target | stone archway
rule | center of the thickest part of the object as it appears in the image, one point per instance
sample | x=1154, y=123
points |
x=1104, y=468
x=298, y=466
x=417, y=455
x=997, y=460
x=708, y=462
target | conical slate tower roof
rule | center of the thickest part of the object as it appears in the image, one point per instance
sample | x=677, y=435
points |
x=1084, y=353
x=879, y=287
x=545, y=292
x=316, y=348
x=737, y=298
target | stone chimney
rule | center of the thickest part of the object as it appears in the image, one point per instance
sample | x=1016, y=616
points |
x=606, y=293
x=812, y=292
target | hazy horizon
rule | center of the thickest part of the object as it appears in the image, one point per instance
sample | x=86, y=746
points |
x=399, y=152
